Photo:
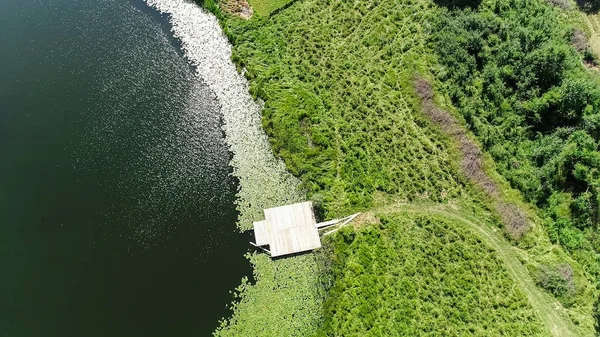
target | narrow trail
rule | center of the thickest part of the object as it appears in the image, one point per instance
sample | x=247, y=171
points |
x=548, y=309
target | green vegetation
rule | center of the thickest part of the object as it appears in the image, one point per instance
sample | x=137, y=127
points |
x=338, y=81
x=336, y=78
x=266, y=7
x=513, y=74
x=480, y=224
x=286, y=300
x=422, y=276
x=593, y=22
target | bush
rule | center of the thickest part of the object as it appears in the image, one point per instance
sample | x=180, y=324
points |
x=513, y=69
x=557, y=280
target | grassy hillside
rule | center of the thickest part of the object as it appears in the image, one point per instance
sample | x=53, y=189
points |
x=344, y=149
x=336, y=78
x=422, y=276
x=338, y=82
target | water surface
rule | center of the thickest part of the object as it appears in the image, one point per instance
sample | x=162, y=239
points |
x=116, y=200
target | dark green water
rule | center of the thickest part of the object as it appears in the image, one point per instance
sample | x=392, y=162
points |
x=117, y=213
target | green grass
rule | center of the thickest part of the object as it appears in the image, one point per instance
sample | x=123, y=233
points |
x=340, y=110
x=336, y=78
x=419, y=275
x=560, y=321
x=266, y=7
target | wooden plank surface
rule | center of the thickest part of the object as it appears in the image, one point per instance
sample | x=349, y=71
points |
x=291, y=229
x=261, y=233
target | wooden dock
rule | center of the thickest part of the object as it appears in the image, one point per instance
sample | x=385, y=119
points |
x=293, y=229
x=288, y=229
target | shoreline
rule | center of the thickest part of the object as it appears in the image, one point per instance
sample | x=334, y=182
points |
x=234, y=99
x=264, y=180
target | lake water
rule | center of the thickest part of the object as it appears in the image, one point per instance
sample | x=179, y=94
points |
x=117, y=213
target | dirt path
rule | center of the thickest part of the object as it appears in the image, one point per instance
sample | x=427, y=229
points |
x=549, y=310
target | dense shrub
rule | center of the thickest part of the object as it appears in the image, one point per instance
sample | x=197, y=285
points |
x=558, y=280
x=513, y=71
x=589, y=6
x=521, y=88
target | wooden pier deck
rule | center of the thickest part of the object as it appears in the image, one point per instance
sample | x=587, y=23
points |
x=288, y=229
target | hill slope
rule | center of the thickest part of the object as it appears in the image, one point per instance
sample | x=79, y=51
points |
x=423, y=275
x=337, y=80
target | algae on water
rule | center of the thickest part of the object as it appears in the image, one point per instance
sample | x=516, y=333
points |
x=284, y=288
x=263, y=179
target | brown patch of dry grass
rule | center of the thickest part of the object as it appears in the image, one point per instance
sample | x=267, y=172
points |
x=579, y=40
x=472, y=158
x=472, y=166
x=514, y=218
x=564, y=4
x=237, y=7
x=364, y=219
